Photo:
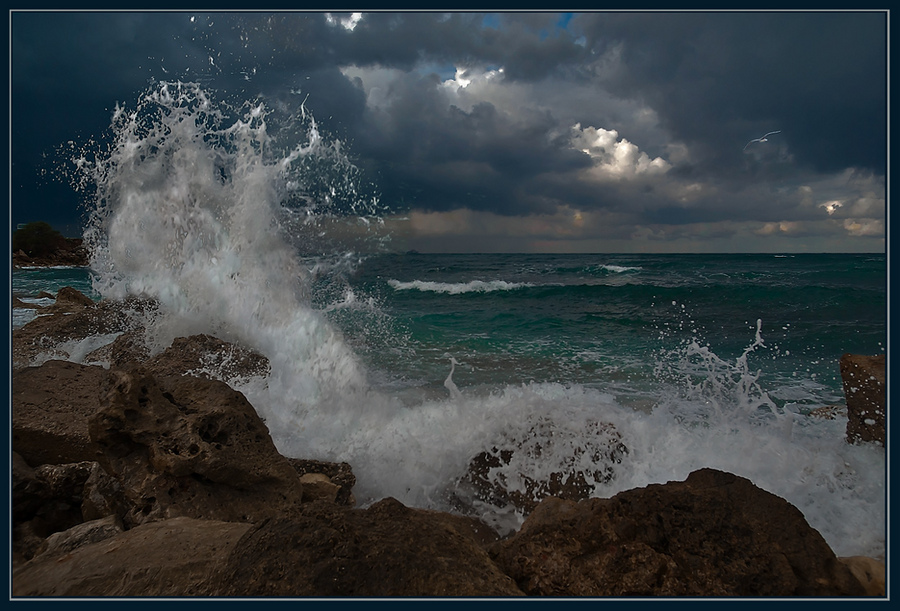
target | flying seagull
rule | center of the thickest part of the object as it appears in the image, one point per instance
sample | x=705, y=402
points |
x=763, y=139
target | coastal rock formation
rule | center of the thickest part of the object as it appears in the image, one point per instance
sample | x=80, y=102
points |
x=863, y=379
x=184, y=446
x=715, y=534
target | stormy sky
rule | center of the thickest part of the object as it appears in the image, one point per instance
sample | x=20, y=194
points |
x=517, y=131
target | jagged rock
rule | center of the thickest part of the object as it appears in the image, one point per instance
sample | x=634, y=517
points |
x=206, y=356
x=184, y=446
x=386, y=550
x=340, y=474
x=869, y=572
x=863, y=380
x=715, y=534
x=177, y=557
x=51, y=405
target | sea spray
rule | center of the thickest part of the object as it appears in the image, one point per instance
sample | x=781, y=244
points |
x=190, y=208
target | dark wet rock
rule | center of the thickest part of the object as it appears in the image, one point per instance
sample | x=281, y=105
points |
x=206, y=356
x=385, y=550
x=592, y=462
x=715, y=534
x=70, y=300
x=45, y=500
x=127, y=349
x=185, y=446
x=863, y=379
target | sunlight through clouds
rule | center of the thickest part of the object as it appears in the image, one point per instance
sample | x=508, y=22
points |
x=614, y=157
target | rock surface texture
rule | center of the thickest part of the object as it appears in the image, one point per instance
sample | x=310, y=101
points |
x=715, y=534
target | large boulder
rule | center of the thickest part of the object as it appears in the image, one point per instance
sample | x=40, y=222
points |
x=863, y=380
x=715, y=534
x=177, y=557
x=324, y=550
x=385, y=550
x=185, y=446
x=51, y=406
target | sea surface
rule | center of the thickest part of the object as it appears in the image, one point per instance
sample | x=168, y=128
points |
x=408, y=366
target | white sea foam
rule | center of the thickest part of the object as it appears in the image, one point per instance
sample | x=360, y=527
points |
x=202, y=210
x=620, y=268
x=458, y=288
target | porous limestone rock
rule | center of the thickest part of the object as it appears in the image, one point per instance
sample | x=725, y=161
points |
x=185, y=446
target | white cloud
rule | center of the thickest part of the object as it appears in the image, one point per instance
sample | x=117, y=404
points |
x=832, y=206
x=864, y=227
x=615, y=158
x=347, y=22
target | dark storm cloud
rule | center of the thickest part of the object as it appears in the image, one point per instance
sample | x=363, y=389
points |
x=716, y=79
x=673, y=97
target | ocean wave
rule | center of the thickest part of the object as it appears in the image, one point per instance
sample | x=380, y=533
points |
x=456, y=288
x=619, y=268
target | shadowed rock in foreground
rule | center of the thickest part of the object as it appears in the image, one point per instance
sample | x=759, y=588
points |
x=715, y=534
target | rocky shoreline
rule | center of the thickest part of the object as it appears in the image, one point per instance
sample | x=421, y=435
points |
x=132, y=478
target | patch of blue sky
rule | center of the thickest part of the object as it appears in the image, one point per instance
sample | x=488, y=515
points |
x=491, y=20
